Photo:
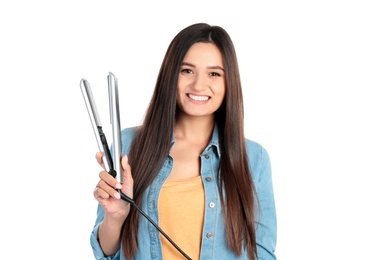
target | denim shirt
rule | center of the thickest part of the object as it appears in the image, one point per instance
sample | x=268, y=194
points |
x=214, y=243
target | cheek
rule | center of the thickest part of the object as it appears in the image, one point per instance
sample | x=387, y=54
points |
x=180, y=92
x=220, y=89
x=181, y=83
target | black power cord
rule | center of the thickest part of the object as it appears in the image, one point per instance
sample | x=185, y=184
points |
x=132, y=202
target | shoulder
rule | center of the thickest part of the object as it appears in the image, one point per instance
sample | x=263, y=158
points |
x=255, y=149
x=129, y=131
x=258, y=158
x=127, y=136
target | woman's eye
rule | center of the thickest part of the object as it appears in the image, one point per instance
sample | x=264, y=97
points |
x=215, y=74
x=188, y=71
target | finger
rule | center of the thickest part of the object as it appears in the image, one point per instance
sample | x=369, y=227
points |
x=125, y=164
x=126, y=170
x=109, y=180
x=127, y=177
x=99, y=158
x=99, y=193
x=105, y=190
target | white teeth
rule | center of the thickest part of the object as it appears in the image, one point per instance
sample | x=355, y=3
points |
x=199, y=98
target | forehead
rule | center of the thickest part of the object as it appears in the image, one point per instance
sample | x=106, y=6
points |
x=204, y=53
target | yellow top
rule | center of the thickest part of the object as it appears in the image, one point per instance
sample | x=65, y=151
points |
x=181, y=212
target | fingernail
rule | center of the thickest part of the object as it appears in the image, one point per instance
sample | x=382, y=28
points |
x=117, y=195
x=118, y=186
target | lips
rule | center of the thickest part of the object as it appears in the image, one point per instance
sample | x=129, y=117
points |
x=198, y=98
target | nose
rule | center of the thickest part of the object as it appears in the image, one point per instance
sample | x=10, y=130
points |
x=200, y=82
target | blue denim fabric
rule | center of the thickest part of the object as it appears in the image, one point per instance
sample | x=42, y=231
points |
x=214, y=245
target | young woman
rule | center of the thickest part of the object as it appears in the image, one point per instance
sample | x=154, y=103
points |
x=189, y=166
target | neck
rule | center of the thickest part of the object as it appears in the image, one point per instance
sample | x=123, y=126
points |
x=195, y=129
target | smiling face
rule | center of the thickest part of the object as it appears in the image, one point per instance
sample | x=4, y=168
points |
x=201, y=83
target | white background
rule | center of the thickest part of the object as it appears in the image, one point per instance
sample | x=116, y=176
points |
x=316, y=87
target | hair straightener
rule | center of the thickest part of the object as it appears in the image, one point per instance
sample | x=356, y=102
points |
x=112, y=161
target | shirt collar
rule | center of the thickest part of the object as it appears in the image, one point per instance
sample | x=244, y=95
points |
x=214, y=142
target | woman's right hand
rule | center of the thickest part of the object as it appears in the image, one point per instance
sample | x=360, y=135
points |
x=106, y=190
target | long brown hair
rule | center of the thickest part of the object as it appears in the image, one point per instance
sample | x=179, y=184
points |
x=153, y=140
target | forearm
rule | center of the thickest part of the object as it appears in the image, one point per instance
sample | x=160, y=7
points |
x=109, y=235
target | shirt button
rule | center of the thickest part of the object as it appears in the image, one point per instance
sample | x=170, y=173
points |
x=209, y=235
x=207, y=156
x=208, y=179
x=211, y=204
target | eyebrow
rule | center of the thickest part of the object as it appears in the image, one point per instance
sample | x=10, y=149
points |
x=210, y=67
